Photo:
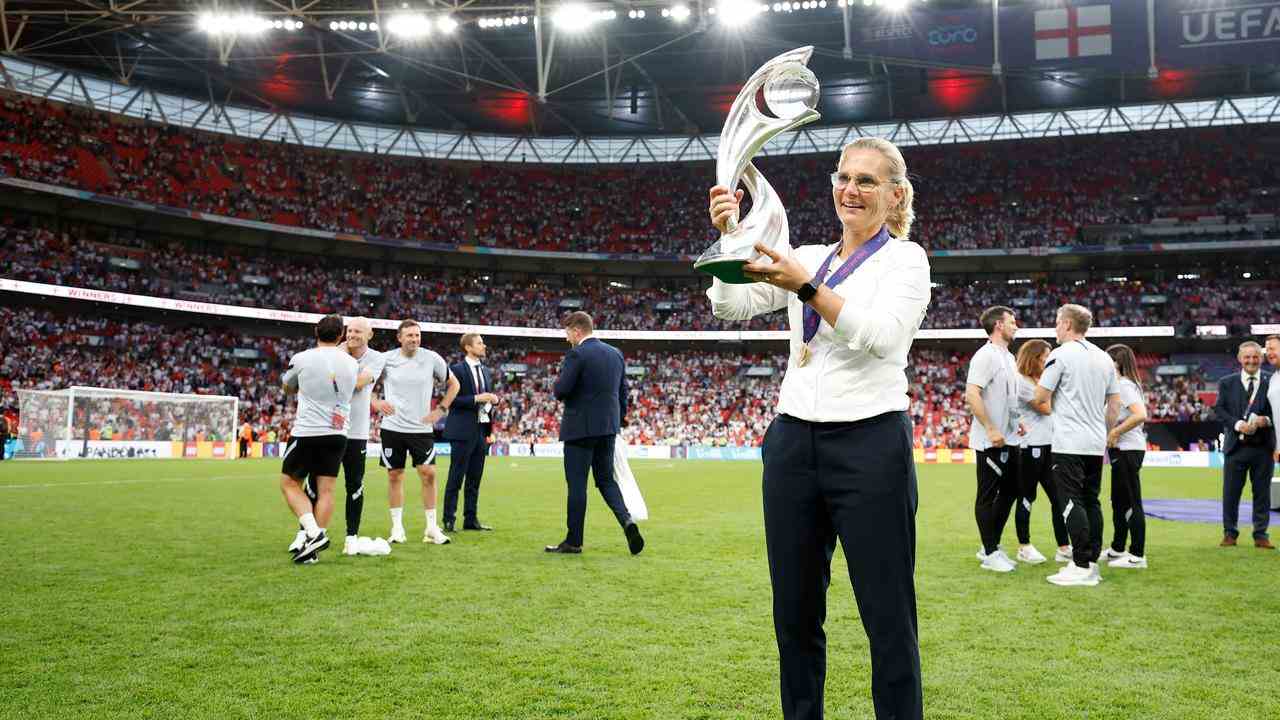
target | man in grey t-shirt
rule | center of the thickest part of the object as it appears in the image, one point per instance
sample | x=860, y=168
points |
x=324, y=379
x=410, y=374
x=991, y=393
x=1078, y=387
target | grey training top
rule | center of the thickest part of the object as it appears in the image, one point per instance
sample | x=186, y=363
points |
x=1081, y=377
x=993, y=369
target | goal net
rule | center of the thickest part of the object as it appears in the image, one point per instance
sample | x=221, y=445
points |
x=88, y=422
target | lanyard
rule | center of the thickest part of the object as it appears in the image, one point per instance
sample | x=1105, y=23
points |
x=859, y=256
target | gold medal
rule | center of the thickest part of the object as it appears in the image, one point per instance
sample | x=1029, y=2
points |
x=804, y=356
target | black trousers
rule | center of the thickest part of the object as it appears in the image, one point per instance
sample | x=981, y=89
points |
x=854, y=481
x=1256, y=463
x=466, y=468
x=1127, y=518
x=594, y=454
x=1079, y=480
x=353, y=464
x=998, y=490
x=1035, y=467
x=244, y=448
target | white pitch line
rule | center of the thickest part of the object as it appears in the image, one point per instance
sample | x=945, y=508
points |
x=122, y=482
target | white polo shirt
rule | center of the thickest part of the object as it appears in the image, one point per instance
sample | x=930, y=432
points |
x=856, y=368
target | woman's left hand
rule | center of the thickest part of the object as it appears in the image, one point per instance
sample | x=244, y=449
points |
x=785, y=271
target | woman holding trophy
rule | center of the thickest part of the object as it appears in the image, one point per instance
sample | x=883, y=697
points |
x=838, y=457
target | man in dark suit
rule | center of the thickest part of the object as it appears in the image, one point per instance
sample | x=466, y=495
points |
x=467, y=428
x=1243, y=410
x=593, y=386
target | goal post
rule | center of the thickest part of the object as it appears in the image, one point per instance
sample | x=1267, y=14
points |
x=91, y=422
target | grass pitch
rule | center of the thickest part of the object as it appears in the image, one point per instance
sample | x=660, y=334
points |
x=162, y=589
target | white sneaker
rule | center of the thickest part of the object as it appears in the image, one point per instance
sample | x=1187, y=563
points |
x=435, y=536
x=1073, y=574
x=351, y=546
x=1128, y=561
x=1063, y=556
x=1030, y=555
x=998, y=562
x=982, y=553
x=397, y=535
x=298, y=541
x=1095, y=571
x=1108, y=555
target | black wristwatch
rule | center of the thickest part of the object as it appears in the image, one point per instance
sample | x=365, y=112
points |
x=806, y=292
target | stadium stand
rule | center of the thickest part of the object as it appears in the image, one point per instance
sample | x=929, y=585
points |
x=673, y=400
x=1000, y=195
x=100, y=258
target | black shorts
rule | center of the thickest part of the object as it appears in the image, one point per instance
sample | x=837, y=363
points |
x=314, y=456
x=420, y=447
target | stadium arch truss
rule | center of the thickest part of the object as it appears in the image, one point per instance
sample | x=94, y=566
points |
x=209, y=115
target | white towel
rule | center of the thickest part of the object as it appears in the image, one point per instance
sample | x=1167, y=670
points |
x=627, y=483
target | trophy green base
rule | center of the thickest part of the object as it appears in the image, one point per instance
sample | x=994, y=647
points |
x=726, y=269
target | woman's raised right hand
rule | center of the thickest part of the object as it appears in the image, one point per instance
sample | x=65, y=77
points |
x=724, y=205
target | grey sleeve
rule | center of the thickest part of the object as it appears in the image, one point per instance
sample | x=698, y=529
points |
x=439, y=367
x=981, y=369
x=1113, y=383
x=1052, y=372
x=290, y=378
x=1130, y=394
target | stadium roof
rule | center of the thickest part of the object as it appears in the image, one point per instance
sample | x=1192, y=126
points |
x=501, y=71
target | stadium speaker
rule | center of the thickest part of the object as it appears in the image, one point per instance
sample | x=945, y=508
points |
x=635, y=99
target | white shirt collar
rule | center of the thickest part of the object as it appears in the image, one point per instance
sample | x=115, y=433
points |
x=472, y=361
x=1244, y=377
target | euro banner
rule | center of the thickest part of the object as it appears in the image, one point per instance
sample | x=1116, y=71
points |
x=1196, y=33
x=951, y=37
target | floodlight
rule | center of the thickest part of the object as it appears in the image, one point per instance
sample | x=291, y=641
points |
x=680, y=13
x=447, y=24
x=736, y=13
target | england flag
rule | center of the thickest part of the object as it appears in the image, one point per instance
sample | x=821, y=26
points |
x=1072, y=32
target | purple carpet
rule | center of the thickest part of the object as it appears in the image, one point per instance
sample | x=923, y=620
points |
x=1199, y=511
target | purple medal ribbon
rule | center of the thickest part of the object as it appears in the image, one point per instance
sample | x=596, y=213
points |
x=859, y=256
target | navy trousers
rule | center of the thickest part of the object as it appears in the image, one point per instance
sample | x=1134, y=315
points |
x=466, y=469
x=594, y=454
x=853, y=481
x=1255, y=464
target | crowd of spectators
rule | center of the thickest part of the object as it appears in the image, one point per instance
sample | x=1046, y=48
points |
x=996, y=195
x=680, y=397
x=103, y=259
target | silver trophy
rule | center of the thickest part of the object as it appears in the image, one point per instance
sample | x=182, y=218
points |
x=789, y=92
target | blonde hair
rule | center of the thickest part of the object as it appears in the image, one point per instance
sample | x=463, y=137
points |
x=1079, y=317
x=901, y=216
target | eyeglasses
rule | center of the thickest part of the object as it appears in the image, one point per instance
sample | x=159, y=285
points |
x=864, y=183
